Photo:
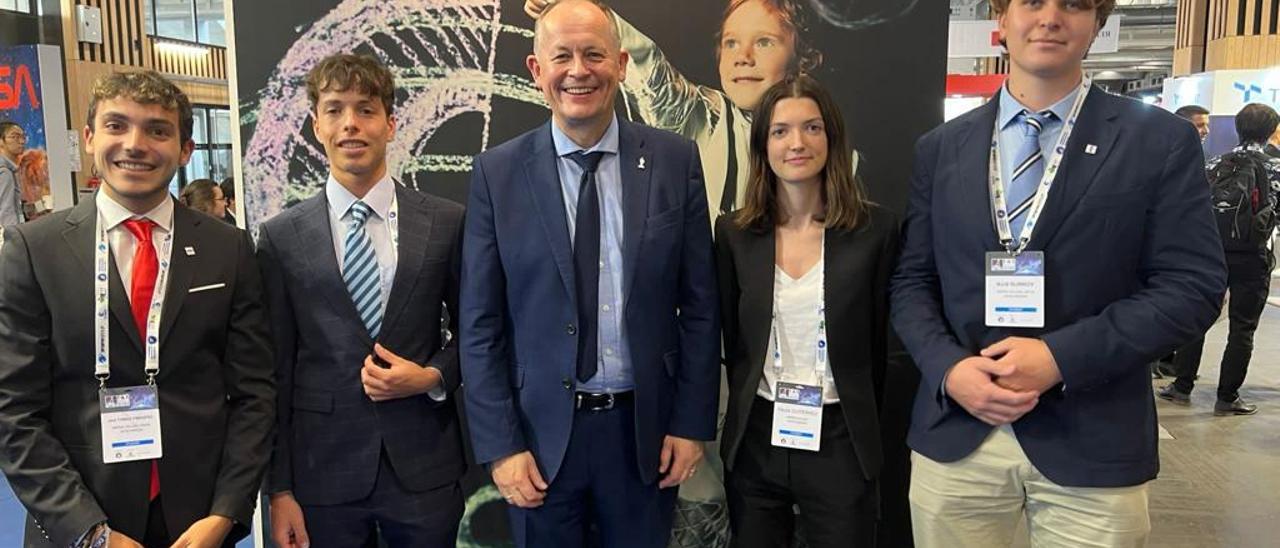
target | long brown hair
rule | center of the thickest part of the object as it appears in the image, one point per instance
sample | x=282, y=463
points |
x=845, y=203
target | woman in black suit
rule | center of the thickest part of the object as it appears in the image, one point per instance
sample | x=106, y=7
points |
x=804, y=281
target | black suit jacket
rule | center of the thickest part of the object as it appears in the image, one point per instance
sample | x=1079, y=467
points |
x=215, y=383
x=858, y=264
x=330, y=434
x=1133, y=269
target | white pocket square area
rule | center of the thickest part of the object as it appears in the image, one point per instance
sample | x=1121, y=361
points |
x=206, y=288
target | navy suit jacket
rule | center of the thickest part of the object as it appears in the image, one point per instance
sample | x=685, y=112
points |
x=519, y=349
x=329, y=433
x=1134, y=268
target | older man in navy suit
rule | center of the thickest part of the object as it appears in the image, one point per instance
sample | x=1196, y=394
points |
x=589, y=325
x=1057, y=241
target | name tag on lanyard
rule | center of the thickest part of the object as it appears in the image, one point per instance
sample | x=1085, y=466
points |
x=797, y=416
x=130, y=424
x=1015, y=289
x=130, y=415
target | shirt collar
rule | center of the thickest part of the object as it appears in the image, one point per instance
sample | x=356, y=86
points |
x=565, y=145
x=1010, y=107
x=378, y=198
x=113, y=213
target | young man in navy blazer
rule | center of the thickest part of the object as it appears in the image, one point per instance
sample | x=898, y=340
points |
x=590, y=329
x=368, y=438
x=1037, y=403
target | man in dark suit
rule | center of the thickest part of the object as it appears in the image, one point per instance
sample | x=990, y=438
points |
x=159, y=303
x=589, y=312
x=1035, y=398
x=368, y=439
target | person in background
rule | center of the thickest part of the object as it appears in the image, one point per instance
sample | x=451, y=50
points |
x=203, y=195
x=1198, y=116
x=12, y=142
x=1246, y=241
x=806, y=256
x=228, y=187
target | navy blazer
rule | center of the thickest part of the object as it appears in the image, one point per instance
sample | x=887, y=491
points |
x=1134, y=268
x=518, y=334
x=329, y=433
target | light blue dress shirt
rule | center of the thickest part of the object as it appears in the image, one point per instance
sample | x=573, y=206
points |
x=1012, y=131
x=613, y=373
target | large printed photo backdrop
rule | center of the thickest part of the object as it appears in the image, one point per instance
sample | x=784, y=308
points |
x=463, y=87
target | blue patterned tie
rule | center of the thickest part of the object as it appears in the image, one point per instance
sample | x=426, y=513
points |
x=1021, y=189
x=360, y=269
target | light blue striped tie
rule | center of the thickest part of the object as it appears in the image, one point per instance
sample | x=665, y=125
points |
x=360, y=269
x=1021, y=190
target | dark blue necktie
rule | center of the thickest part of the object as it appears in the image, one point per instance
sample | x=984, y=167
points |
x=586, y=262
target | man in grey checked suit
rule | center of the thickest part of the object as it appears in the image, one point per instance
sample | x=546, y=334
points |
x=368, y=440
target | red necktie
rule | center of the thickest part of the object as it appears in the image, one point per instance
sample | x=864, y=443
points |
x=142, y=284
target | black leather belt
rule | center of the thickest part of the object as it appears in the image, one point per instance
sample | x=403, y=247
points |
x=587, y=401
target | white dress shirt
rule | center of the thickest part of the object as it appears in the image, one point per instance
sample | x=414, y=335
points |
x=123, y=245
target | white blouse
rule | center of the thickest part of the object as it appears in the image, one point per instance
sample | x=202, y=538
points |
x=795, y=302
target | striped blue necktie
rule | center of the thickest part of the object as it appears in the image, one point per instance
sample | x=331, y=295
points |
x=1020, y=191
x=360, y=269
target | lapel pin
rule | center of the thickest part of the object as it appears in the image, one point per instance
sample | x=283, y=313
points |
x=1091, y=149
x=640, y=165
x=191, y=251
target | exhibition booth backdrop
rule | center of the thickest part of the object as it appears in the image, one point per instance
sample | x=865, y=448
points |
x=463, y=87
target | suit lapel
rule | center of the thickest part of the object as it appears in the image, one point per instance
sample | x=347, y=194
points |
x=80, y=237
x=181, y=266
x=1097, y=127
x=974, y=154
x=316, y=236
x=414, y=232
x=635, y=199
x=543, y=179
x=760, y=260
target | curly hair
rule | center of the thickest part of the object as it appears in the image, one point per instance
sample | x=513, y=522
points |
x=146, y=87
x=807, y=58
x=350, y=72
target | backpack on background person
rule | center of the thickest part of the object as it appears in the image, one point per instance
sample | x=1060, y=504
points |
x=1243, y=201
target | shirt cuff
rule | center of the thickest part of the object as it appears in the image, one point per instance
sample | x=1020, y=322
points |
x=437, y=393
x=96, y=537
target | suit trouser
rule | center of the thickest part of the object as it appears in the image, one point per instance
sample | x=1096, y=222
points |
x=401, y=517
x=1249, y=282
x=837, y=504
x=979, y=500
x=598, y=485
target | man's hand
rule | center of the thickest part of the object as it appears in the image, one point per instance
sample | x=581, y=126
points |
x=679, y=460
x=519, y=481
x=117, y=540
x=1034, y=369
x=971, y=383
x=401, y=379
x=534, y=8
x=288, y=529
x=206, y=533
